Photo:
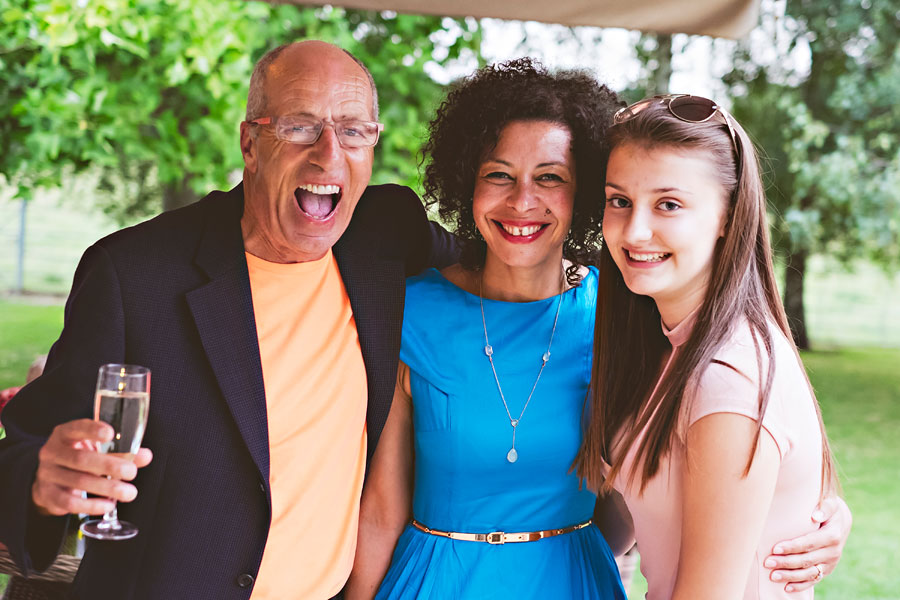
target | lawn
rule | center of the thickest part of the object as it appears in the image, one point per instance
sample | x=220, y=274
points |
x=859, y=390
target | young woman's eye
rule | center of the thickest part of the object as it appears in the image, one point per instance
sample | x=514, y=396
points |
x=669, y=205
x=616, y=202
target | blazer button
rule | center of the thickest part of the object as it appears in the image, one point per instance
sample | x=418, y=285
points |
x=245, y=580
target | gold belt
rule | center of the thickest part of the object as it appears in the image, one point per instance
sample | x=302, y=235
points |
x=500, y=537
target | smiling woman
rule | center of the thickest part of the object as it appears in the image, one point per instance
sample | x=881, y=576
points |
x=495, y=357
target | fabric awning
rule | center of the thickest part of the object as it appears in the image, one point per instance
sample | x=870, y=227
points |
x=719, y=18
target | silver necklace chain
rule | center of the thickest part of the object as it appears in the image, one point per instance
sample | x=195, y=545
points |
x=513, y=455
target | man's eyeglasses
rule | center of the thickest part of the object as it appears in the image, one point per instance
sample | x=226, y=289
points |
x=307, y=130
x=691, y=109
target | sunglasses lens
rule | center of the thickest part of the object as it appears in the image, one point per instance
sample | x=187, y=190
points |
x=692, y=108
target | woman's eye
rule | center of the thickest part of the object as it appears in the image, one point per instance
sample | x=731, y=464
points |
x=669, y=205
x=616, y=202
x=497, y=175
x=550, y=177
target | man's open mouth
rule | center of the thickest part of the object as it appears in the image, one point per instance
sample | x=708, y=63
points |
x=318, y=201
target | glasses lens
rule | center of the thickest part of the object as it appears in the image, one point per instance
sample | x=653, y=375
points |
x=693, y=109
x=356, y=134
x=298, y=130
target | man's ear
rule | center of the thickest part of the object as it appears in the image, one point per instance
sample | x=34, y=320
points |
x=249, y=148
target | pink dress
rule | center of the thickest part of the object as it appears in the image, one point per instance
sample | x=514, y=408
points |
x=791, y=421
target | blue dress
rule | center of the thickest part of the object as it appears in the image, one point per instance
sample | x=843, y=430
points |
x=463, y=481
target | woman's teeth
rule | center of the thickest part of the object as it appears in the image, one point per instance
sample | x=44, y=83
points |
x=321, y=189
x=521, y=231
x=650, y=257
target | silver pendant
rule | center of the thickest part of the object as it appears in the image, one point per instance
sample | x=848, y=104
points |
x=512, y=456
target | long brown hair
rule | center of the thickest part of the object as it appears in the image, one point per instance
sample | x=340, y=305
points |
x=629, y=343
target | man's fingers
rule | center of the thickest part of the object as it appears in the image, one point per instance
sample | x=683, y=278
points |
x=87, y=461
x=143, y=457
x=71, y=432
x=56, y=500
x=76, y=482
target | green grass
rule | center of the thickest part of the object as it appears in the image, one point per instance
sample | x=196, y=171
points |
x=859, y=391
x=27, y=330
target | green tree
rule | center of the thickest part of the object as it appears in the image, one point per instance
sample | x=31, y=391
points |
x=148, y=94
x=830, y=135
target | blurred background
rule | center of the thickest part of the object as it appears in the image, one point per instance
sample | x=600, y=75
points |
x=112, y=112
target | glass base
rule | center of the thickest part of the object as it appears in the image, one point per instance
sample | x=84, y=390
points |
x=108, y=530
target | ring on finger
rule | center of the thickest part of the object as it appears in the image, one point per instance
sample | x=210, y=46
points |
x=819, y=573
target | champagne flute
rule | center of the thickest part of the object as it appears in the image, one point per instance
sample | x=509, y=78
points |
x=123, y=401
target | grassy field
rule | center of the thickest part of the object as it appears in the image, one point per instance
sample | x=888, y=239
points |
x=859, y=390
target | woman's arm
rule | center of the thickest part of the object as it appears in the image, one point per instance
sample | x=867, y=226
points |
x=723, y=511
x=612, y=517
x=386, y=505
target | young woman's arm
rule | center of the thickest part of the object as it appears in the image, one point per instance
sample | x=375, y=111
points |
x=386, y=505
x=723, y=511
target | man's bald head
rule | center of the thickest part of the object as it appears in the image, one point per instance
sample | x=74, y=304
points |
x=257, y=102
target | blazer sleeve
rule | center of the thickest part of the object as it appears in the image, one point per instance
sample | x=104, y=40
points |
x=93, y=334
x=429, y=244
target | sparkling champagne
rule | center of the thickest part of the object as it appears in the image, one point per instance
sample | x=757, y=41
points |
x=123, y=401
x=127, y=413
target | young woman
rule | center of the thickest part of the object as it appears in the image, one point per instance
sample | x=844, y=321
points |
x=702, y=416
x=495, y=358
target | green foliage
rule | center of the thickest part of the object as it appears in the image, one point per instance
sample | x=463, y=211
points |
x=832, y=135
x=151, y=92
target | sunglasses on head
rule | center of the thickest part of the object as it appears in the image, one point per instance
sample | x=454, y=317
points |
x=691, y=109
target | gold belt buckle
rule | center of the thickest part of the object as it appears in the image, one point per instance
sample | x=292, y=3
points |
x=495, y=537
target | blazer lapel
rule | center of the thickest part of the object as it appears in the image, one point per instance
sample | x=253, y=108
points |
x=223, y=312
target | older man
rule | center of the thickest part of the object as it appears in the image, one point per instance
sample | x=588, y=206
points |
x=271, y=323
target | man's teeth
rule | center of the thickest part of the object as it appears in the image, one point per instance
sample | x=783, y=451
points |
x=321, y=189
x=520, y=231
x=654, y=257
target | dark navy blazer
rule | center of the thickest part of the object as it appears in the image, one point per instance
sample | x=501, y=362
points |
x=173, y=294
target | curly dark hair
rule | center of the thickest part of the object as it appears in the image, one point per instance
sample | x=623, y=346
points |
x=467, y=126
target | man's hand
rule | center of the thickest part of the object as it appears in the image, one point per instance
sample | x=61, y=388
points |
x=803, y=561
x=69, y=465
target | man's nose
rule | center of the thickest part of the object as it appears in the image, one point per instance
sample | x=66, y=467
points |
x=326, y=151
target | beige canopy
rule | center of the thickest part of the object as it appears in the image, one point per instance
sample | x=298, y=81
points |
x=719, y=18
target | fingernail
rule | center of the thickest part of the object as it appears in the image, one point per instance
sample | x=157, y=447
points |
x=778, y=550
x=128, y=493
x=789, y=588
x=818, y=516
x=770, y=563
x=776, y=577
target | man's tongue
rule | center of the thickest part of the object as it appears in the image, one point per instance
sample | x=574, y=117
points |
x=316, y=205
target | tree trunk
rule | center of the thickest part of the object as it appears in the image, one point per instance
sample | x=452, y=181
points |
x=663, y=72
x=176, y=195
x=795, y=272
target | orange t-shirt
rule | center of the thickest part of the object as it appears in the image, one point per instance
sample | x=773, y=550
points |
x=315, y=382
